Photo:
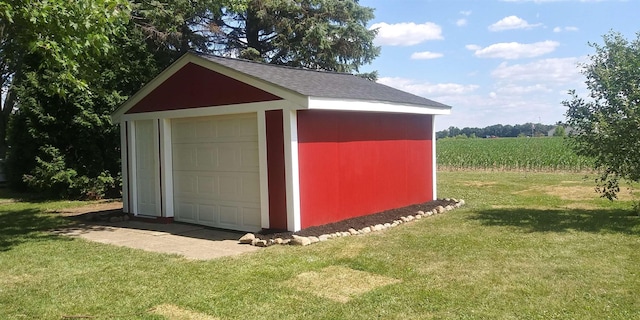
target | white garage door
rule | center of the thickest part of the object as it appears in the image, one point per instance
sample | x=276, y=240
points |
x=216, y=171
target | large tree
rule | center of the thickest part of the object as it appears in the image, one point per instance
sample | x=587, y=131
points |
x=62, y=36
x=314, y=34
x=606, y=124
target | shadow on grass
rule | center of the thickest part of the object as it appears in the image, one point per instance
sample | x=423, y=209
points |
x=28, y=225
x=563, y=220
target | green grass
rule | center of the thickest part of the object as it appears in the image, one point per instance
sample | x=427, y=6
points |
x=523, y=247
x=531, y=154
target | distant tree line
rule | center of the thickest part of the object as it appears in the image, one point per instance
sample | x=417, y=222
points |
x=498, y=130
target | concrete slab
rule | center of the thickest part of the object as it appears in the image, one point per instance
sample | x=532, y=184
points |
x=190, y=241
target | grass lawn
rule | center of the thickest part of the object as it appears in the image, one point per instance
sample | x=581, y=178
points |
x=525, y=246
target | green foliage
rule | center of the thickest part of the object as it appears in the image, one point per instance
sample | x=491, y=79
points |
x=559, y=131
x=498, y=130
x=531, y=154
x=314, y=34
x=607, y=124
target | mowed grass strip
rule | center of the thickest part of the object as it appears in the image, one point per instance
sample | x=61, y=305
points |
x=516, y=250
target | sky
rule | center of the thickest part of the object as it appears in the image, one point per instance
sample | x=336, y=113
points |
x=494, y=61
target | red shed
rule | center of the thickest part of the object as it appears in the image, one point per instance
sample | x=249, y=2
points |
x=242, y=145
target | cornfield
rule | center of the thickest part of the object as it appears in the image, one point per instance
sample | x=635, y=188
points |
x=521, y=154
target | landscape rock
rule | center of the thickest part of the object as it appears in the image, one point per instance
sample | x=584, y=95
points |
x=314, y=239
x=247, y=238
x=299, y=241
x=323, y=237
x=365, y=230
x=353, y=231
x=439, y=209
x=261, y=243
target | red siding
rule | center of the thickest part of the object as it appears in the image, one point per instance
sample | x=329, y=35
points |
x=194, y=86
x=276, y=170
x=354, y=163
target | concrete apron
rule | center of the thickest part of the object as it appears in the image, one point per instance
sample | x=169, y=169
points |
x=191, y=241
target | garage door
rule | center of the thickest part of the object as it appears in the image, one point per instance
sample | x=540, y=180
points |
x=216, y=171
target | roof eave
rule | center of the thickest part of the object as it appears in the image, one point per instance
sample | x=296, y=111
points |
x=321, y=103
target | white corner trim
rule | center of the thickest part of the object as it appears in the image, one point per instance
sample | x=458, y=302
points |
x=292, y=173
x=124, y=162
x=166, y=167
x=263, y=169
x=434, y=158
x=133, y=176
x=372, y=106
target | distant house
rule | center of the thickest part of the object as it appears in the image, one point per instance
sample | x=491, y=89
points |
x=242, y=145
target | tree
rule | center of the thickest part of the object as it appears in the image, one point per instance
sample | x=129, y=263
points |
x=607, y=123
x=61, y=35
x=314, y=34
x=559, y=132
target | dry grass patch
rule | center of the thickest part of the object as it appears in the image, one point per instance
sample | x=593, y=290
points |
x=339, y=284
x=9, y=280
x=173, y=312
x=478, y=183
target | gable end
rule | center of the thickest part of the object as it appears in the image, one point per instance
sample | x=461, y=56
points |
x=194, y=86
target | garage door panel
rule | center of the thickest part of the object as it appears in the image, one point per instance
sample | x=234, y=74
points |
x=216, y=171
x=242, y=156
x=215, y=129
x=217, y=186
x=225, y=214
x=229, y=215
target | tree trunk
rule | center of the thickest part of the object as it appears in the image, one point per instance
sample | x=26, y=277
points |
x=5, y=113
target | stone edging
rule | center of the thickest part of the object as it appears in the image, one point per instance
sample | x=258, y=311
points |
x=253, y=240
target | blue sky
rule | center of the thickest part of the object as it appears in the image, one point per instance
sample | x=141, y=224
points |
x=493, y=61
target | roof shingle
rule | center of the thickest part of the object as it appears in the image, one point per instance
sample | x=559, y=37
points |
x=323, y=84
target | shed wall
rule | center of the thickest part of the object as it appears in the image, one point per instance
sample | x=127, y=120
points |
x=354, y=163
x=276, y=170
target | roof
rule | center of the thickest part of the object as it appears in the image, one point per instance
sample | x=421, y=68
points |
x=301, y=88
x=323, y=84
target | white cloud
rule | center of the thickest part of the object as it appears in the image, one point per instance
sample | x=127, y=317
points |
x=561, y=29
x=514, y=50
x=426, y=89
x=465, y=12
x=512, y=89
x=512, y=22
x=461, y=22
x=555, y=70
x=425, y=55
x=406, y=33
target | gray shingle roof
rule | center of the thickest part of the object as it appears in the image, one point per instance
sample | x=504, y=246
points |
x=322, y=84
